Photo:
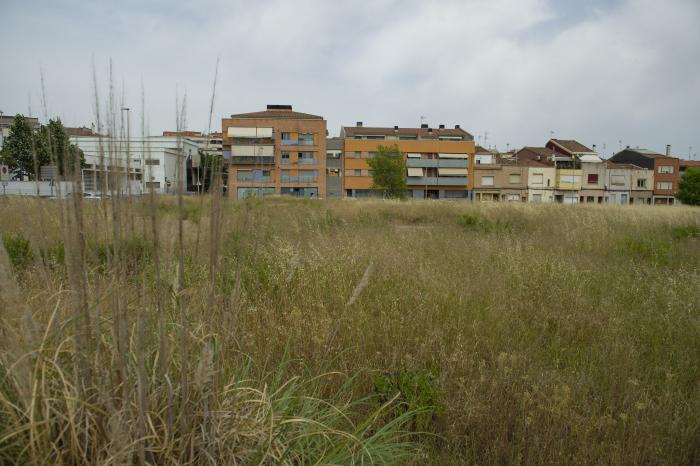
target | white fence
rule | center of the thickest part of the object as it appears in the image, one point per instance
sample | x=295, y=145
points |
x=29, y=188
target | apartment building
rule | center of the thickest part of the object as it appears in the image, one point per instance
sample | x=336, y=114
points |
x=334, y=168
x=628, y=184
x=541, y=174
x=499, y=178
x=438, y=160
x=275, y=151
x=666, y=171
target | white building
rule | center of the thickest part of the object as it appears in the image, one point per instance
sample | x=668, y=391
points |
x=153, y=162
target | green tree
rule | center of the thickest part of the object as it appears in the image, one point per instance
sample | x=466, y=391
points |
x=18, y=147
x=389, y=172
x=689, y=187
x=54, y=147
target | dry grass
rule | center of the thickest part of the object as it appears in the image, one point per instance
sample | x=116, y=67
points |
x=522, y=334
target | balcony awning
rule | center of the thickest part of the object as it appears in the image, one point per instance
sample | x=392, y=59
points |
x=415, y=172
x=249, y=132
x=453, y=156
x=253, y=151
x=413, y=155
x=452, y=172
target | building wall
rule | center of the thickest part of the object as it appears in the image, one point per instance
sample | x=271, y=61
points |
x=152, y=161
x=363, y=180
x=279, y=126
x=672, y=178
x=544, y=188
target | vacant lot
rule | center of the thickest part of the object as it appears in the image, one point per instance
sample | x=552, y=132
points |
x=299, y=331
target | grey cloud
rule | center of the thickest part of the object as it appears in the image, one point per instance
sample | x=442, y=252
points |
x=599, y=71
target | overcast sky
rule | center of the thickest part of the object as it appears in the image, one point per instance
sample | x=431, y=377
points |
x=597, y=71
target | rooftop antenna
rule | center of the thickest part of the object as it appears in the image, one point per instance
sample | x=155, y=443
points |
x=422, y=118
x=486, y=139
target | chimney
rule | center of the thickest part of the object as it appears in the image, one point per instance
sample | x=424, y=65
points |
x=627, y=147
x=424, y=126
x=359, y=124
x=457, y=127
x=430, y=130
x=668, y=150
x=396, y=127
x=594, y=148
x=279, y=107
x=442, y=126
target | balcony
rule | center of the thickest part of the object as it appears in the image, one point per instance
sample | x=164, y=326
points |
x=436, y=163
x=255, y=179
x=299, y=179
x=297, y=142
x=437, y=181
x=251, y=160
x=253, y=141
x=250, y=151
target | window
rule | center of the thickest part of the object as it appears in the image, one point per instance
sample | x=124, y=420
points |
x=549, y=182
x=537, y=198
x=617, y=180
x=484, y=159
x=665, y=168
x=152, y=161
x=306, y=158
x=641, y=183
x=592, y=178
x=306, y=139
x=371, y=155
x=358, y=155
x=569, y=178
x=307, y=176
x=538, y=178
x=358, y=172
x=664, y=185
x=487, y=181
x=153, y=184
x=514, y=178
x=244, y=175
x=285, y=157
x=376, y=137
x=370, y=172
x=408, y=137
x=286, y=136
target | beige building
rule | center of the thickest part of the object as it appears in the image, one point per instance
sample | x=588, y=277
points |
x=628, y=184
x=499, y=179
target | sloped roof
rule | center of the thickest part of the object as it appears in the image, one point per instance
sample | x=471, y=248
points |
x=529, y=155
x=351, y=131
x=278, y=114
x=334, y=144
x=623, y=166
x=571, y=145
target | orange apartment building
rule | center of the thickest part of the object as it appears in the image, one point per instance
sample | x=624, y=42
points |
x=275, y=151
x=439, y=161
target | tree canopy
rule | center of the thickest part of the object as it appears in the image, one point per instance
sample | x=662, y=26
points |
x=18, y=148
x=389, y=172
x=50, y=143
x=54, y=147
x=689, y=187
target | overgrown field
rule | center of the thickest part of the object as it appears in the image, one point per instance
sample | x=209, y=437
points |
x=300, y=332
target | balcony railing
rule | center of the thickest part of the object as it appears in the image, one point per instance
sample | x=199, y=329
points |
x=299, y=179
x=437, y=180
x=307, y=161
x=296, y=142
x=252, y=160
x=256, y=179
x=253, y=141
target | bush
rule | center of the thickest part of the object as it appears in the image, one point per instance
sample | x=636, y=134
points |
x=416, y=391
x=19, y=250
